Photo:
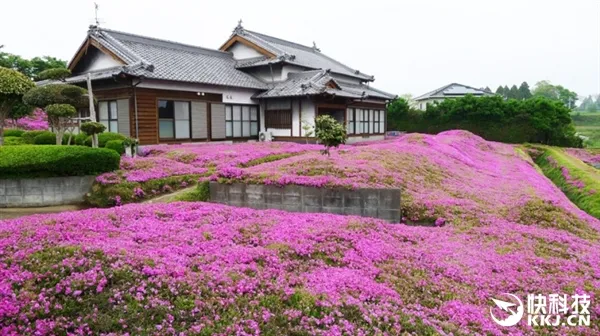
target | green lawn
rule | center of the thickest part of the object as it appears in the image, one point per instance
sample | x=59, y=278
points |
x=588, y=125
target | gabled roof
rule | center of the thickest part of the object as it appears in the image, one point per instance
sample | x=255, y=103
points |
x=453, y=90
x=317, y=82
x=168, y=60
x=277, y=50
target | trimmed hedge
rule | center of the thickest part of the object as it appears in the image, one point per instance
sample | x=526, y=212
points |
x=13, y=133
x=29, y=136
x=79, y=139
x=12, y=141
x=48, y=138
x=47, y=161
x=103, y=138
x=116, y=145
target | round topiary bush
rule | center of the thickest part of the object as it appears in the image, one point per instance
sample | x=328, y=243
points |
x=93, y=128
x=103, y=138
x=116, y=145
x=13, y=133
x=46, y=138
x=29, y=136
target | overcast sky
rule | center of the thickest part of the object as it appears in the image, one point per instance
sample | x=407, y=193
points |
x=410, y=46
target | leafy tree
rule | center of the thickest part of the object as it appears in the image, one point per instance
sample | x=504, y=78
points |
x=30, y=68
x=524, y=92
x=13, y=85
x=397, y=110
x=329, y=132
x=500, y=91
x=59, y=118
x=555, y=92
x=514, y=92
x=57, y=94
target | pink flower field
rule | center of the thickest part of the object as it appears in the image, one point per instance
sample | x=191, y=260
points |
x=207, y=269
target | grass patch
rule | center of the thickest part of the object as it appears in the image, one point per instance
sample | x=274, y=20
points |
x=201, y=193
x=579, y=181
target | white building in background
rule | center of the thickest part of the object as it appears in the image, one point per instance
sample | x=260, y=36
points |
x=453, y=90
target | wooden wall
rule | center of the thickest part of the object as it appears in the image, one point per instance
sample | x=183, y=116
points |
x=147, y=104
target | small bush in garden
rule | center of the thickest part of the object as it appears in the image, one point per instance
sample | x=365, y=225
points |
x=29, y=136
x=59, y=117
x=13, y=133
x=80, y=139
x=54, y=74
x=46, y=161
x=93, y=129
x=116, y=145
x=45, y=138
x=13, y=85
x=329, y=132
x=103, y=138
x=12, y=141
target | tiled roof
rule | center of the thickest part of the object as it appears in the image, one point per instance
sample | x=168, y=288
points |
x=294, y=53
x=453, y=90
x=317, y=82
x=167, y=60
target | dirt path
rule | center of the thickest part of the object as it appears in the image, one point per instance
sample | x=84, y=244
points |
x=7, y=213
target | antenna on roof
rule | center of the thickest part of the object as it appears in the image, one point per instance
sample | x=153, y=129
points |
x=97, y=20
x=315, y=46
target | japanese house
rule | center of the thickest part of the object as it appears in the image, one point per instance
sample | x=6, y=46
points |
x=452, y=90
x=254, y=87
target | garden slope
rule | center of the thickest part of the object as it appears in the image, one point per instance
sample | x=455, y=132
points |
x=205, y=269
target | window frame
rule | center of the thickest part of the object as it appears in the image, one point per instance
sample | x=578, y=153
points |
x=109, y=113
x=230, y=123
x=280, y=126
x=174, y=138
x=360, y=119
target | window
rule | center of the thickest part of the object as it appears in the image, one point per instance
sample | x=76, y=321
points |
x=365, y=122
x=241, y=121
x=108, y=115
x=281, y=119
x=174, y=119
x=350, y=121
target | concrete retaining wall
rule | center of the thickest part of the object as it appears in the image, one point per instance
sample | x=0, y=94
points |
x=377, y=203
x=39, y=192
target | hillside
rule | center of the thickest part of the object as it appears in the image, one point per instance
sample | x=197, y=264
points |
x=200, y=268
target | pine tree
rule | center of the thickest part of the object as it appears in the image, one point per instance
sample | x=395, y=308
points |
x=506, y=92
x=487, y=89
x=524, y=92
x=514, y=92
x=500, y=91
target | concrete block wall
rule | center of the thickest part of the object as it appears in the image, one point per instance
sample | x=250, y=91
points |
x=377, y=203
x=40, y=192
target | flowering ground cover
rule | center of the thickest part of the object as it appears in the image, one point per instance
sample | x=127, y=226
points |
x=162, y=169
x=204, y=269
x=587, y=155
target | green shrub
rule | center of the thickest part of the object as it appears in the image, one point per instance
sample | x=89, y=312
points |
x=12, y=141
x=13, y=133
x=116, y=145
x=29, y=136
x=103, y=138
x=46, y=161
x=80, y=139
x=47, y=138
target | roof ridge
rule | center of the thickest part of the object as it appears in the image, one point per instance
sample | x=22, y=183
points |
x=260, y=35
x=171, y=42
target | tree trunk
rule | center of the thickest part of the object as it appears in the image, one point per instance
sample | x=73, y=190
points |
x=94, y=140
x=59, y=137
x=1, y=132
